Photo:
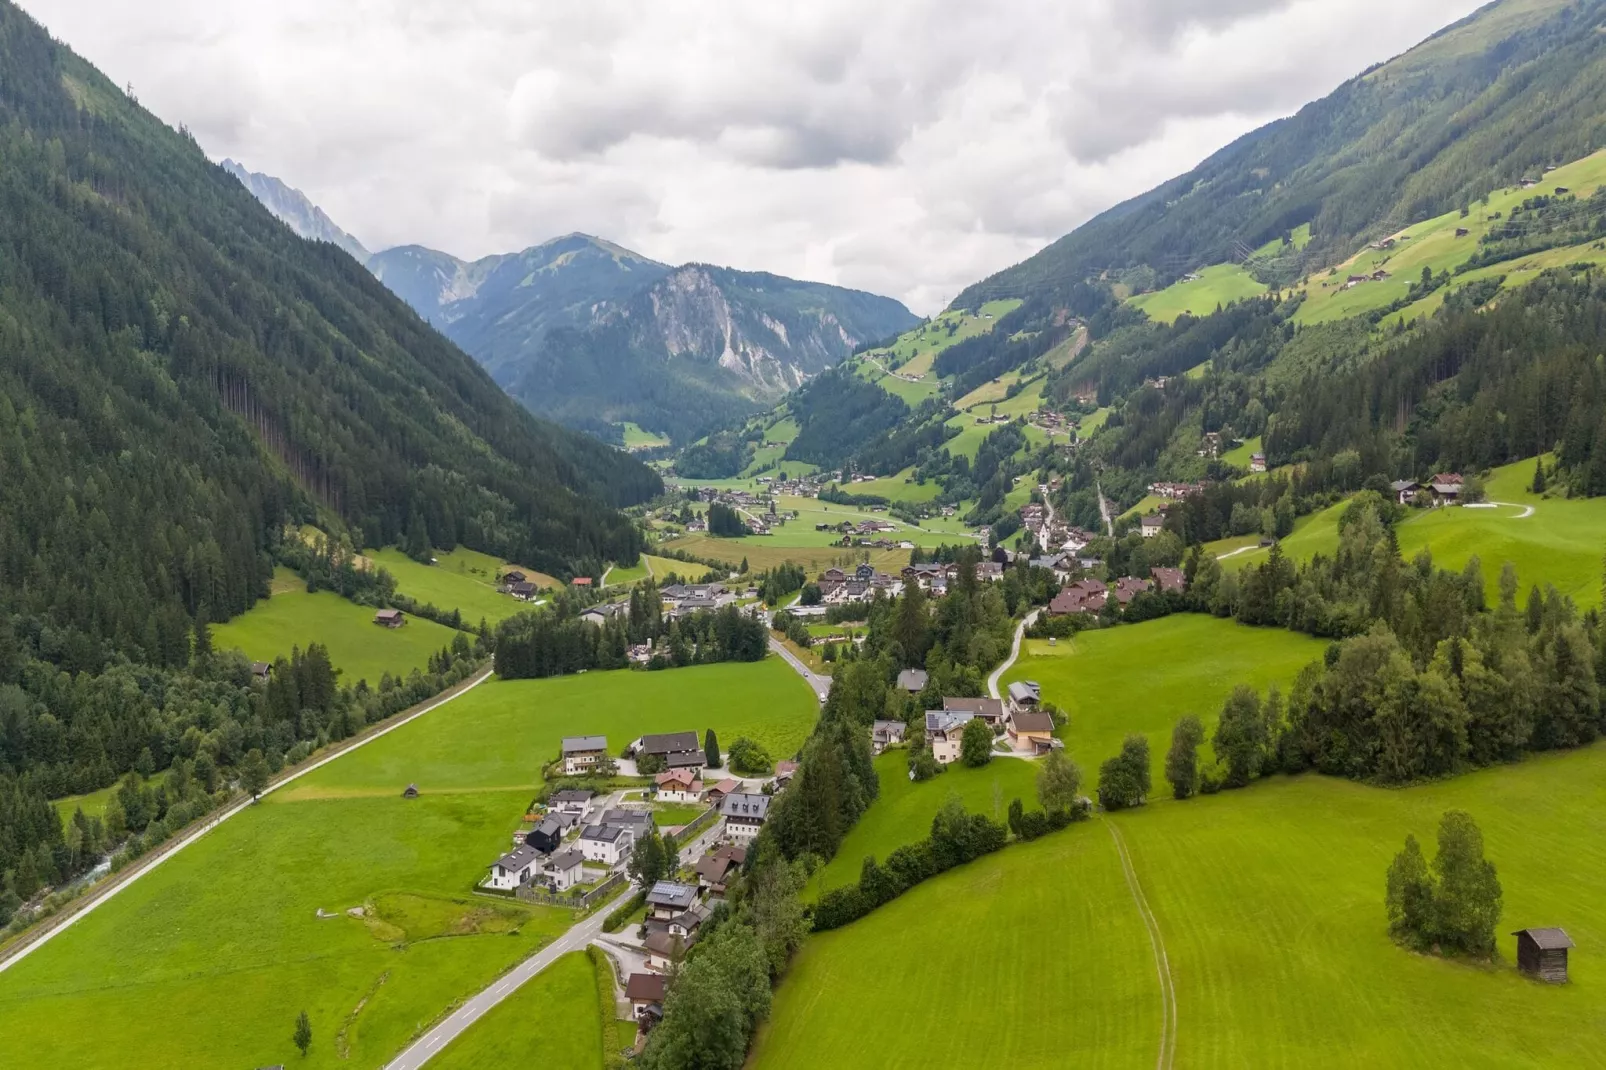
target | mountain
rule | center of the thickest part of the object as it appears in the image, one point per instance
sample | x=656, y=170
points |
x=1515, y=87
x=595, y=335
x=295, y=209
x=181, y=377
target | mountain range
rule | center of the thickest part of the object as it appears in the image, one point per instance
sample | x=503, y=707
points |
x=595, y=336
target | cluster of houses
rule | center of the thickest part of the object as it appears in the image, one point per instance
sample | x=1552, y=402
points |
x=1356, y=280
x=1019, y=719
x=1446, y=488
x=1050, y=533
x=517, y=584
x=793, y=488
x=684, y=599
x=1176, y=491
x=1091, y=595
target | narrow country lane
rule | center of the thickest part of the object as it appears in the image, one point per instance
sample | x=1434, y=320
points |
x=821, y=685
x=1014, y=653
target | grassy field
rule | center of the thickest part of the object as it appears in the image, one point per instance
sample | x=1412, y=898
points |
x=1269, y=902
x=1219, y=285
x=450, y=586
x=903, y=811
x=94, y=802
x=549, y=1015
x=1239, y=458
x=1143, y=677
x=896, y=488
x=638, y=438
x=208, y=959
x=767, y=554
x=359, y=648
x=625, y=577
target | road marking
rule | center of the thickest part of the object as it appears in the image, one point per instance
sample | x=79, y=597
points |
x=1162, y=964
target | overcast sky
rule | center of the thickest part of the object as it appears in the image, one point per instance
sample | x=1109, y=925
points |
x=904, y=148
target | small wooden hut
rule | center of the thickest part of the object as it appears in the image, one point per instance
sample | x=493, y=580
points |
x=411, y=792
x=1542, y=953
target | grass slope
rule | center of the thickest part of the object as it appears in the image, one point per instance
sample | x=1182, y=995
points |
x=359, y=648
x=1219, y=285
x=455, y=582
x=208, y=959
x=549, y=1015
x=1269, y=901
x=1143, y=677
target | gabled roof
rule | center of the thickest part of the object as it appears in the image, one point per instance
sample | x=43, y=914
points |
x=518, y=858
x=1551, y=939
x=1031, y=721
x=945, y=721
x=670, y=743
x=671, y=894
x=1023, y=691
x=912, y=680
x=726, y=786
x=567, y=859
x=745, y=806
x=981, y=707
x=582, y=744
x=646, y=987
x=570, y=795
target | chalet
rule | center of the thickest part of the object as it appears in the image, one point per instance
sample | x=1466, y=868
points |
x=1151, y=525
x=678, y=786
x=1542, y=953
x=524, y=590
x=667, y=899
x=715, y=795
x=990, y=572
x=1128, y=588
x=1257, y=462
x=581, y=753
x=833, y=575
x=912, y=680
x=1024, y=695
x=716, y=868
x=390, y=618
x=566, y=869
x=1083, y=596
x=679, y=750
x=664, y=951
x=944, y=729
x=925, y=575
x=547, y=835
x=570, y=801
x=884, y=734
x=260, y=671
x=1031, y=731
x=1446, y=488
x=646, y=992
x=608, y=844
x=1405, y=490
x=1170, y=580
x=744, y=815
x=989, y=710
x=512, y=577
x=513, y=869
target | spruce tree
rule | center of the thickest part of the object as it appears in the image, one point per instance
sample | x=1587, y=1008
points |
x=711, y=749
x=303, y=1034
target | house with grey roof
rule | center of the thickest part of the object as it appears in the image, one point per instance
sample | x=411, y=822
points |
x=884, y=734
x=679, y=750
x=566, y=869
x=581, y=753
x=944, y=729
x=912, y=680
x=608, y=844
x=744, y=815
x=513, y=869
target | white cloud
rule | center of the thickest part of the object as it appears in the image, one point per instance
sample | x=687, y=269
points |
x=906, y=148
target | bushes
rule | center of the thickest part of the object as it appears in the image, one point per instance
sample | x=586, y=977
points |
x=1028, y=825
x=748, y=758
x=956, y=838
x=621, y=914
x=1124, y=779
x=1455, y=906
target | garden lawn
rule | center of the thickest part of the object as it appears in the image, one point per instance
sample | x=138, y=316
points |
x=1143, y=677
x=903, y=811
x=359, y=648
x=546, y=1019
x=207, y=960
x=471, y=593
x=1269, y=903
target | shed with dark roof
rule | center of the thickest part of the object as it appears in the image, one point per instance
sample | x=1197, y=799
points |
x=1542, y=953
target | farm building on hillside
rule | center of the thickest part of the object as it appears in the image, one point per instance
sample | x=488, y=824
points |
x=1257, y=462
x=390, y=618
x=1542, y=953
x=1152, y=525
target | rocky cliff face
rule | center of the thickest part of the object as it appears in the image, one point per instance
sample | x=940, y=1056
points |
x=295, y=210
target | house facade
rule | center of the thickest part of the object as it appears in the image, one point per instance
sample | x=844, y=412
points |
x=944, y=729
x=678, y=786
x=513, y=869
x=744, y=815
x=679, y=750
x=608, y=844
x=566, y=870
x=582, y=753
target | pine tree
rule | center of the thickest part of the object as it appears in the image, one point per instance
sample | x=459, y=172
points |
x=711, y=749
x=1539, y=476
x=303, y=1034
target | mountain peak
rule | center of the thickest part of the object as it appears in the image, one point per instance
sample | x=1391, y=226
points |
x=295, y=209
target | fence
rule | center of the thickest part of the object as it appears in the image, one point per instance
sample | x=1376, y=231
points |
x=530, y=894
x=698, y=824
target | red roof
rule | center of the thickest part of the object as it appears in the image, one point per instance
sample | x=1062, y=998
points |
x=649, y=987
x=582, y=581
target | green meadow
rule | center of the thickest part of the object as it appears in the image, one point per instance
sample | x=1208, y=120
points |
x=1143, y=677
x=1219, y=285
x=450, y=585
x=359, y=648
x=556, y=1017
x=207, y=960
x=903, y=810
x=1269, y=904
x=94, y=803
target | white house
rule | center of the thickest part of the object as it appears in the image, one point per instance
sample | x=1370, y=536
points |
x=1152, y=525
x=678, y=786
x=566, y=870
x=744, y=815
x=608, y=844
x=580, y=753
x=514, y=868
x=570, y=801
x=944, y=730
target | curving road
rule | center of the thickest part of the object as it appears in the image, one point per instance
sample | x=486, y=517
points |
x=1014, y=653
x=821, y=685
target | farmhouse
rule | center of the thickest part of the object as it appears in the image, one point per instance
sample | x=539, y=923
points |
x=989, y=710
x=1031, y=731
x=715, y=869
x=261, y=670
x=581, y=753
x=1024, y=695
x=679, y=750
x=1542, y=953
x=511, y=577
x=1128, y=588
x=646, y=991
x=1446, y=487
x=565, y=869
x=524, y=590
x=1405, y=490
x=912, y=681
x=1083, y=596
x=608, y=844
x=678, y=786
x=884, y=734
x=570, y=801
x=1257, y=462
x=1151, y=525
x=744, y=815
x=663, y=951
x=513, y=869
x=943, y=732
x=390, y=618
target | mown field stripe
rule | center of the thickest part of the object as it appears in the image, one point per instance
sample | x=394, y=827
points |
x=52, y=927
x=1162, y=964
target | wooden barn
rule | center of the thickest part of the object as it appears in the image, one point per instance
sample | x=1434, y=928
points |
x=410, y=792
x=1542, y=953
x=390, y=618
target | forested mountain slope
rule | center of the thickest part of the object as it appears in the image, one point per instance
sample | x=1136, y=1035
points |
x=1519, y=85
x=180, y=375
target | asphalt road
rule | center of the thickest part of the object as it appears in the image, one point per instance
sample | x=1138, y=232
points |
x=820, y=684
x=1014, y=652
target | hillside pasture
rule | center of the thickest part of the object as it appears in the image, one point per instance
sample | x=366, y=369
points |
x=359, y=648
x=1215, y=286
x=470, y=591
x=207, y=960
x=1143, y=677
x=1269, y=904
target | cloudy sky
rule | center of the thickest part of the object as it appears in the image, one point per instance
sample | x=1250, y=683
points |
x=904, y=148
